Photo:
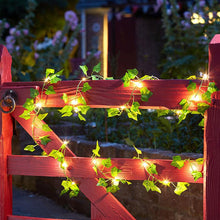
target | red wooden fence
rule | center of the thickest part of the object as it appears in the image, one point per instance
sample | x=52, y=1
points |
x=105, y=94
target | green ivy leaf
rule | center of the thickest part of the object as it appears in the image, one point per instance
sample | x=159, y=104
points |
x=196, y=175
x=46, y=128
x=49, y=71
x=96, y=150
x=29, y=104
x=86, y=87
x=45, y=140
x=146, y=77
x=112, y=189
x=201, y=123
x=126, y=80
x=207, y=96
x=81, y=117
x=95, y=169
x=191, y=86
x=177, y=162
x=183, y=115
x=60, y=72
x=135, y=108
x=113, y=112
x=56, y=154
x=202, y=107
x=162, y=112
x=30, y=148
x=42, y=116
x=81, y=100
x=54, y=79
x=145, y=94
x=65, y=98
x=212, y=87
x=34, y=93
x=107, y=162
x=152, y=169
x=50, y=90
x=137, y=150
x=83, y=109
x=181, y=187
x=102, y=182
x=185, y=104
x=97, y=68
x=132, y=73
x=25, y=115
x=66, y=110
x=84, y=68
x=150, y=185
x=115, y=171
x=192, y=77
x=200, y=160
x=109, y=78
x=74, y=193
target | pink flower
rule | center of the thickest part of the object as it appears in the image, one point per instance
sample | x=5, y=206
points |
x=74, y=43
x=10, y=39
x=18, y=33
x=202, y=3
x=25, y=31
x=97, y=54
x=71, y=18
x=56, y=36
x=187, y=14
x=35, y=44
x=12, y=31
x=7, y=25
x=36, y=56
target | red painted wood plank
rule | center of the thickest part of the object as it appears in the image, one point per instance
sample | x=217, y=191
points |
x=112, y=93
x=16, y=217
x=6, y=129
x=211, y=200
x=106, y=203
x=132, y=169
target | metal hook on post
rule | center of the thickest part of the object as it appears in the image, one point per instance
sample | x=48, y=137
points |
x=8, y=102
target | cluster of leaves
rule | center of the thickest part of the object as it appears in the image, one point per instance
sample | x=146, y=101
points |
x=132, y=107
x=185, y=50
x=33, y=110
x=201, y=106
x=111, y=183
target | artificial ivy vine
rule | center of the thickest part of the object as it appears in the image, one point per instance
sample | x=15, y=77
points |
x=78, y=105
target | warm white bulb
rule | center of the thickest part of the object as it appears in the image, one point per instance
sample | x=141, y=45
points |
x=74, y=102
x=138, y=84
x=73, y=183
x=196, y=98
x=95, y=162
x=166, y=182
x=65, y=142
x=38, y=105
x=193, y=167
x=64, y=165
x=83, y=79
x=145, y=164
x=123, y=107
x=115, y=181
x=205, y=76
x=46, y=79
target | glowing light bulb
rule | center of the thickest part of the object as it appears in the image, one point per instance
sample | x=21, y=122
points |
x=145, y=164
x=74, y=102
x=38, y=105
x=196, y=98
x=123, y=107
x=178, y=112
x=115, y=182
x=95, y=162
x=64, y=165
x=65, y=142
x=166, y=182
x=138, y=84
x=83, y=79
x=193, y=167
x=46, y=79
x=73, y=183
x=205, y=76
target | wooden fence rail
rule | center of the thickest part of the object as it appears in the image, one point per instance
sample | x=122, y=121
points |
x=105, y=94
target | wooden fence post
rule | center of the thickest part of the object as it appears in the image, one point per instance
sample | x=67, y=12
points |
x=6, y=131
x=211, y=198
